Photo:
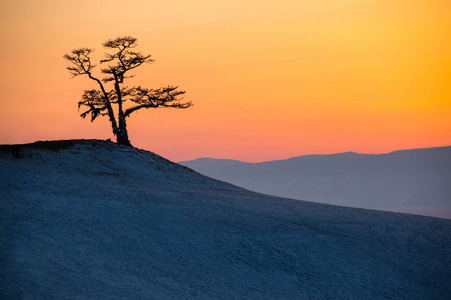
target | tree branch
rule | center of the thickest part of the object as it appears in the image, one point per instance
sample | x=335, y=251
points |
x=152, y=98
x=126, y=59
x=95, y=100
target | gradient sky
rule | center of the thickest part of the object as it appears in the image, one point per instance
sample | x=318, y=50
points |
x=269, y=79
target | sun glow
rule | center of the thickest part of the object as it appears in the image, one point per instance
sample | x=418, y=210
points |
x=269, y=79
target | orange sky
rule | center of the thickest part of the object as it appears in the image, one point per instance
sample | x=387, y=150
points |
x=269, y=79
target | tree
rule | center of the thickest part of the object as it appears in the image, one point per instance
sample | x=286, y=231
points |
x=116, y=68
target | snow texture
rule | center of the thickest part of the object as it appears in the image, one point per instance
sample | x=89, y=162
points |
x=414, y=181
x=94, y=220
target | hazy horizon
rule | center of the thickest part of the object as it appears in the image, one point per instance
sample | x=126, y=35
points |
x=350, y=151
x=411, y=181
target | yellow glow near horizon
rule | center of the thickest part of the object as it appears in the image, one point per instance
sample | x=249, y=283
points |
x=269, y=79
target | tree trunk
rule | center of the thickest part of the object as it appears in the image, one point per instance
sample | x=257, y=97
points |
x=108, y=105
x=122, y=136
x=122, y=139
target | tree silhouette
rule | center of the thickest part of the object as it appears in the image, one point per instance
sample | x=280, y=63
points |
x=116, y=67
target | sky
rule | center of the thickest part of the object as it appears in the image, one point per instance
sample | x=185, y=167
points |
x=268, y=79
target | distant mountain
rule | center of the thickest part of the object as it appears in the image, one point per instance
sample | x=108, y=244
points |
x=95, y=220
x=415, y=181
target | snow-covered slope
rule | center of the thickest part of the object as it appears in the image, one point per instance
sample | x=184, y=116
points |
x=93, y=220
x=415, y=181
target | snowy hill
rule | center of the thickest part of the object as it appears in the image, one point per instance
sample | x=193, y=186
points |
x=414, y=181
x=94, y=220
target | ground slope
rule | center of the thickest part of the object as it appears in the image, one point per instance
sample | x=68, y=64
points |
x=93, y=220
x=414, y=181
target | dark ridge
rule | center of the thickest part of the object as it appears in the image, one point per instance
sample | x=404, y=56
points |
x=47, y=145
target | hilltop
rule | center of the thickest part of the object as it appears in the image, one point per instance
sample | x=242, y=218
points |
x=90, y=219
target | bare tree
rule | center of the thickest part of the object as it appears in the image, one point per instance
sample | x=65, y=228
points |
x=115, y=68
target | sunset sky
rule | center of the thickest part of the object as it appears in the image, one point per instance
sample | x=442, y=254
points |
x=269, y=79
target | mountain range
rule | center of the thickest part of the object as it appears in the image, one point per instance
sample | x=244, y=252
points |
x=413, y=181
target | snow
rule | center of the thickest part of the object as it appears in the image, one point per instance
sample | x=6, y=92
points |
x=411, y=181
x=102, y=221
